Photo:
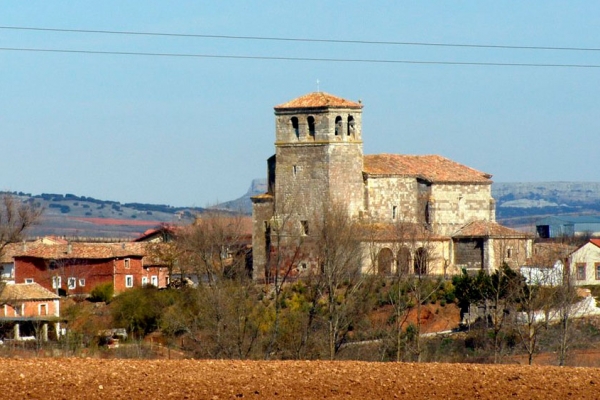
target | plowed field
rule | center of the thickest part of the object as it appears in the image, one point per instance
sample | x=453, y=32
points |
x=126, y=379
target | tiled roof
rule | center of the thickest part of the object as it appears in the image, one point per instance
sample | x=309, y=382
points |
x=83, y=250
x=488, y=229
x=595, y=242
x=318, y=100
x=433, y=168
x=9, y=252
x=26, y=291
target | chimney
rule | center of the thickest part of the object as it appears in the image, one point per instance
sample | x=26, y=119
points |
x=69, y=248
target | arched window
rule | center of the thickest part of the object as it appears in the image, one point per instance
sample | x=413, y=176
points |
x=295, y=127
x=311, y=126
x=420, y=261
x=385, y=259
x=403, y=261
x=351, y=125
x=338, y=125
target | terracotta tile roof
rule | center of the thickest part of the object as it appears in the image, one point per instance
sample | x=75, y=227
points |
x=488, y=229
x=318, y=100
x=9, y=252
x=26, y=291
x=595, y=242
x=83, y=250
x=433, y=168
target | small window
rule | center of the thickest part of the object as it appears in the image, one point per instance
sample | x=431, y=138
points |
x=154, y=280
x=72, y=283
x=128, y=281
x=394, y=212
x=509, y=252
x=28, y=280
x=167, y=281
x=338, y=126
x=52, y=265
x=581, y=272
x=295, y=170
x=43, y=309
x=81, y=282
x=56, y=282
x=304, y=227
x=126, y=263
x=144, y=280
x=598, y=271
x=19, y=310
x=311, y=126
x=295, y=127
x=351, y=125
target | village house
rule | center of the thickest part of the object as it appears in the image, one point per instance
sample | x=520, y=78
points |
x=585, y=264
x=428, y=214
x=76, y=268
x=29, y=308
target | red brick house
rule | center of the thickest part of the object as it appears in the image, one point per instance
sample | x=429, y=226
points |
x=27, y=305
x=28, y=300
x=76, y=268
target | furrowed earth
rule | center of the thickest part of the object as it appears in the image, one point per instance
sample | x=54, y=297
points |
x=78, y=378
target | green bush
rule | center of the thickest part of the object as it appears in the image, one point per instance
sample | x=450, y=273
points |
x=102, y=292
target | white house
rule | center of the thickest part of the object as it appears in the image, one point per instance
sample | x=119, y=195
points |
x=585, y=264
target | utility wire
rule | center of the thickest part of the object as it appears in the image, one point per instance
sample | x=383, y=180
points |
x=283, y=39
x=338, y=60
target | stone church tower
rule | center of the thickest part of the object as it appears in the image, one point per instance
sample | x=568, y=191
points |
x=319, y=156
x=422, y=213
x=318, y=161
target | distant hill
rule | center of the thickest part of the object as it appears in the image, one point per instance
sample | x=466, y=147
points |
x=517, y=204
x=244, y=204
x=71, y=215
x=520, y=203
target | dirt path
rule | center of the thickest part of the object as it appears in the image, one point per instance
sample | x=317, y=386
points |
x=186, y=379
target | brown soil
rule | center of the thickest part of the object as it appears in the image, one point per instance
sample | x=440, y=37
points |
x=187, y=379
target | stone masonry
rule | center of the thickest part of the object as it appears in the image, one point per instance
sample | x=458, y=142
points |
x=319, y=161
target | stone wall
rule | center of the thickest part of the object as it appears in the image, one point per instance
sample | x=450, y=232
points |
x=262, y=212
x=454, y=205
x=385, y=193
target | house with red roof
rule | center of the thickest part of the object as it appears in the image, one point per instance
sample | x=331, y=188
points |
x=76, y=268
x=584, y=264
x=446, y=207
x=29, y=307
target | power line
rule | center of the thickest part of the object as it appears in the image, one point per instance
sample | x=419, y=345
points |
x=337, y=60
x=284, y=39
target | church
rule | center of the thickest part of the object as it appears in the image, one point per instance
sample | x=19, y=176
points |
x=426, y=214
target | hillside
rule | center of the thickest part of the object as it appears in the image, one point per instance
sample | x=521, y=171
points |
x=518, y=204
x=71, y=215
x=521, y=203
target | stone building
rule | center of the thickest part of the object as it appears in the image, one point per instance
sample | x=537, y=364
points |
x=421, y=214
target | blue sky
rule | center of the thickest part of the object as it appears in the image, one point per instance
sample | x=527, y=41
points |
x=195, y=131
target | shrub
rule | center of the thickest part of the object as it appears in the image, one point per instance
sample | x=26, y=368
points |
x=102, y=292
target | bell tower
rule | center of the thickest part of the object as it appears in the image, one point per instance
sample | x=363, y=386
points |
x=319, y=156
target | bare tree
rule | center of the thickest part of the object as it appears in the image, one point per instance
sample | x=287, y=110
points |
x=340, y=279
x=15, y=218
x=214, y=249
